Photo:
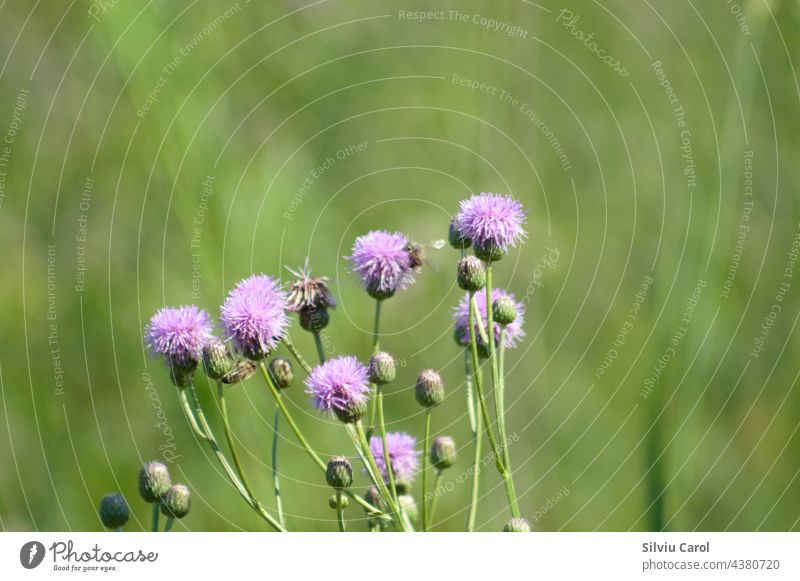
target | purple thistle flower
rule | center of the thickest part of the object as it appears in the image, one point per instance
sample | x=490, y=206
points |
x=179, y=333
x=493, y=223
x=402, y=455
x=339, y=385
x=253, y=316
x=514, y=330
x=382, y=261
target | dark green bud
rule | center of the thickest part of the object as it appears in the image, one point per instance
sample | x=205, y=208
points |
x=488, y=252
x=408, y=505
x=154, y=481
x=281, y=372
x=114, y=511
x=378, y=294
x=177, y=501
x=335, y=499
x=456, y=237
x=382, y=368
x=443, y=452
x=504, y=311
x=517, y=525
x=354, y=412
x=339, y=473
x=217, y=360
x=314, y=319
x=429, y=389
x=471, y=274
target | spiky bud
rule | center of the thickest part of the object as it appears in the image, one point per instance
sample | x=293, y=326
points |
x=471, y=274
x=217, y=360
x=339, y=473
x=335, y=499
x=504, y=311
x=382, y=368
x=154, y=481
x=352, y=413
x=456, y=237
x=114, y=511
x=281, y=372
x=517, y=525
x=314, y=319
x=408, y=505
x=489, y=252
x=177, y=501
x=443, y=452
x=429, y=389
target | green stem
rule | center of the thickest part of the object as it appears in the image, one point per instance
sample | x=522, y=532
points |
x=276, y=483
x=425, y=469
x=436, y=483
x=156, y=513
x=320, y=347
x=376, y=343
x=388, y=498
x=296, y=354
x=226, y=427
x=477, y=438
x=382, y=429
x=339, y=511
x=501, y=388
x=168, y=526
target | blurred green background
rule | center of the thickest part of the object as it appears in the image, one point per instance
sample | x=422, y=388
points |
x=155, y=153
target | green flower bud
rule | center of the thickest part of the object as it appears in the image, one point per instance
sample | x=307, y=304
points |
x=339, y=473
x=354, y=412
x=471, y=274
x=517, y=525
x=114, y=511
x=378, y=294
x=456, y=237
x=177, y=501
x=488, y=252
x=333, y=501
x=154, y=481
x=281, y=372
x=443, y=452
x=314, y=319
x=408, y=505
x=429, y=389
x=217, y=360
x=504, y=311
x=382, y=368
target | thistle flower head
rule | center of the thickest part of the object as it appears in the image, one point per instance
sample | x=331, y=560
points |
x=114, y=511
x=253, y=316
x=514, y=330
x=382, y=261
x=179, y=333
x=493, y=222
x=154, y=481
x=402, y=455
x=340, y=386
x=307, y=292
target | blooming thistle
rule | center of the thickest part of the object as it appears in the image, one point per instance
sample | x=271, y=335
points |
x=253, y=316
x=514, y=330
x=179, y=333
x=311, y=298
x=493, y=222
x=402, y=455
x=382, y=261
x=340, y=386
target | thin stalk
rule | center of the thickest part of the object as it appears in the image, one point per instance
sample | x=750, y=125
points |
x=296, y=354
x=379, y=483
x=436, y=483
x=203, y=431
x=382, y=429
x=168, y=526
x=276, y=483
x=376, y=345
x=320, y=347
x=156, y=513
x=475, y=422
x=339, y=511
x=226, y=426
x=425, y=470
x=501, y=417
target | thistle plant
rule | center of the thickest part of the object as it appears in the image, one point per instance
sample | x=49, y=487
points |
x=255, y=322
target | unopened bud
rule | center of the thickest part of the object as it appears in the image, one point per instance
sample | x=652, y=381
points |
x=177, y=501
x=443, y=452
x=382, y=368
x=114, y=511
x=281, y=372
x=154, y=481
x=429, y=389
x=456, y=237
x=504, y=311
x=339, y=473
x=517, y=525
x=217, y=360
x=471, y=275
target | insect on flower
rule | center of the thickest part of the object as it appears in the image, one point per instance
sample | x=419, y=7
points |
x=416, y=253
x=245, y=369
